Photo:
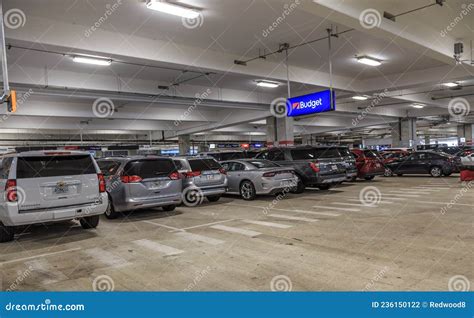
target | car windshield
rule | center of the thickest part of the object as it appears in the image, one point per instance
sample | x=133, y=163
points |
x=54, y=166
x=109, y=167
x=314, y=153
x=260, y=164
x=370, y=154
x=204, y=164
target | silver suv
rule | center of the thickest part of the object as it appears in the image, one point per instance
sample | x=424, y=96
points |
x=139, y=183
x=203, y=177
x=49, y=186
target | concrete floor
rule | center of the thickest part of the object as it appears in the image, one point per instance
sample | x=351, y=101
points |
x=319, y=240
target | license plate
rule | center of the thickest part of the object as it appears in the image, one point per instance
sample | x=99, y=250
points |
x=61, y=189
x=334, y=167
x=210, y=177
x=285, y=183
x=156, y=184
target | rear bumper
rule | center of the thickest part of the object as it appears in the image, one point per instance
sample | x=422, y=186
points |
x=10, y=216
x=214, y=190
x=351, y=174
x=326, y=179
x=143, y=203
x=274, y=186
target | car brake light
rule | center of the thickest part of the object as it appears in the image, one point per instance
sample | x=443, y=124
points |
x=222, y=171
x=314, y=166
x=191, y=174
x=10, y=189
x=269, y=174
x=57, y=153
x=175, y=175
x=102, y=186
x=130, y=179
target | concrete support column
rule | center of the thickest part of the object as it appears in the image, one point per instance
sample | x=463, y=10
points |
x=466, y=131
x=184, y=143
x=404, y=133
x=285, y=131
x=271, y=131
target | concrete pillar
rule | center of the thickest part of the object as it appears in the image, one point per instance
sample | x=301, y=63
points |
x=285, y=131
x=466, y=131
x=404, y=133
x=271, y=131
x=184, y=143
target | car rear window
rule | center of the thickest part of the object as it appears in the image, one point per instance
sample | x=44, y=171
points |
x=370, y=154
x=147, y=169
x=109, y=167
x=54, y=166
x=260, y=164
x=314, y=153
x=204, y=164
x=345, y=152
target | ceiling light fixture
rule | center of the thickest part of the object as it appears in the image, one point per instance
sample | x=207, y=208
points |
x=91, y=60
x=419, y=106
x=172, y=8
x=359, y=97
x=451, y=84
x=367, y=60
x=268, y=84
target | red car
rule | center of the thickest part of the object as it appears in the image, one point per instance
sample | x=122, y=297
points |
x=390, y=156
x=369, y=164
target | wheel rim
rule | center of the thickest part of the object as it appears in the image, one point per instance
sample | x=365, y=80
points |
x=247, y=190
x=436, y=172
x=388, y=172
x=109, y=209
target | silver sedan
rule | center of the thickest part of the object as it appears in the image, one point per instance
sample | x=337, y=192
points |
x=250, y=177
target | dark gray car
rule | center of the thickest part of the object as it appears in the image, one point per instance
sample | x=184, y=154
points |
x=138, y=183
x=320, y=167
x=350, y=161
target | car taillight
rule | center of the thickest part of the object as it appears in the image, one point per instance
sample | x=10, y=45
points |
x=269, y=174
x=222, y=171
x=191, y=174
x=10, y=189
x=175, y=175
x=102, y=186
x=130, y=179
x=314, y=166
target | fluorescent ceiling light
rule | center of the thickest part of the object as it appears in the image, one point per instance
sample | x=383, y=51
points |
x=450, y=84
x=368, y=61
x=359, y=97
x=268, y=84
x=91, y=60
x=419, y=106
x=172, y=8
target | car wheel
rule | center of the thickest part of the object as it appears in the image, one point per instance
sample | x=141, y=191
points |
x=368, y=178
x=388, y=172
x=214, y=198
x=247, y=191
x=324, y=187
x=299, y=186
x=353, y=179
x=110, y=212
x=436, y=172
x=169, y=208
x=7, y=233
x=399, y=175
x=90, y=222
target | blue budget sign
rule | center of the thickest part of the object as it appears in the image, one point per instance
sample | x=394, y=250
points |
x=312, y=103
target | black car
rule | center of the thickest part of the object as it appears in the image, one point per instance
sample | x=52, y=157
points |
x=436, y=164
x=319, y=167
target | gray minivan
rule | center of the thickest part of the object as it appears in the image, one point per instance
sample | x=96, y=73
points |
x=49, y=186
x=140, y=182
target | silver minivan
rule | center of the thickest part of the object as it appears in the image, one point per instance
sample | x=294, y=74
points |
x=202, y=177
x=49, y=186
x=141, y=182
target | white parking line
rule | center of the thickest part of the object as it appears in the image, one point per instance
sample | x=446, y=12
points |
x=207, y=224
x=285, y=210
x=235, y=230
x=199, y=238
x=409, y=192
x=294, y=218
x=40, y=255
x=157, y=247
x=381, y=202
x=402, y=195
x=445, y=203
x=388, y=196
x=46, y=270
x=106, y=258
x=355, y=204
x=270, y=224
x=163, y=225
x=335, y=208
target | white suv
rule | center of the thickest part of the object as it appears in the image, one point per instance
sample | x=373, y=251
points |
x=49, y=186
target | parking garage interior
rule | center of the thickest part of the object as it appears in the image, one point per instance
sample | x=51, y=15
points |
x=235, y=82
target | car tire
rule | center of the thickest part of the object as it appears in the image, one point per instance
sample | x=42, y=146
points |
x=90, y=222
x=388, y=172
x=368, y=178
x=7, y=233
x=110, y=213
x=169, y=208
x=324, y=187
x=214, y=198
x=353, y=179
x=399, y=175
x=436, y=172
x=300, y=187
x=247, y=190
